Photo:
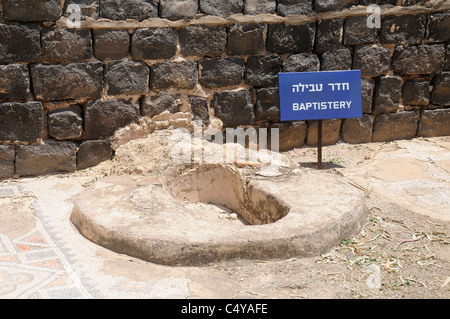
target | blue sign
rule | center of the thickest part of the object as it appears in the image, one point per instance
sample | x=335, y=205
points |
x=320, y=95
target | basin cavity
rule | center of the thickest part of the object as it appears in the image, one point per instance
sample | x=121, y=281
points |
x=187, y=215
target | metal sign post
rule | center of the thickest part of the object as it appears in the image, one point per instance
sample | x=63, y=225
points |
x=320, y=96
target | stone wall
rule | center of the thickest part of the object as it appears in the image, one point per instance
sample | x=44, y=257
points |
x=68, y=81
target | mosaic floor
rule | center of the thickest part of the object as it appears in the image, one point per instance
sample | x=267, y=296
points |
x=52, y=261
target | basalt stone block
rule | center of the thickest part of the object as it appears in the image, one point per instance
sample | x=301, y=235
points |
x=403, y=29
x=246, y=39
x=416, y=92
x=439, y=26
x=290, y=7
x=111, y=44
x=154, y=104
x=234, y=108
x=67, y=81
x=357, y=130
x=48, y=158
x=126, y=77
x=223, y=8
x=302, y=62
x=329, y=35
x=422, y=59
x=14, y=82
x=128, y=9
x=66, y=123
x=7, y=156
x=268, y=105
x=336, y=60
x=66, y=45
x=154, y=43
x=220, y=72
x=254, y=7
x=203, y=40
x=262, y=70
x=103, y=118
x=182, y=75
x=333, y=5
x=434, y=123
x=92, y=153
x=367, y=88
x=19, y=43
x=357, y=32
x=441, y=90
x=387, y=94
x=31, y=10
x=395, y=126
x=199, y=108
x=178, y=9
x=81, y=9
x=447, y=58
x=22, y=122
x=371, y=60
x=284, y=38
x=290, y=135
x=330, y=132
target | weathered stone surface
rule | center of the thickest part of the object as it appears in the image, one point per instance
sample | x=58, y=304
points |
x=356, y=31
x=371, y=60
x=66, y=123
x=14, y=82
x=381, y=2
x=111, y=44
x=154, y=43
x=268, y=105
x=203, y=40
x=291, y=135
x=19, y=43
x=128, y=9
x=289, y=7
x=395, y=126
x=330, y=132
x=220, y=72
x=367, y=88
x=126, y=77
x=22, y=122
x=422, y=59
x=199, y=108
x=403, y=29
x=387, y=94
x=253, y=7
x=447, y=58
x=7, y=156
x=329, y=35
x=103, y=118
x=223, y=8
x=92, y=153
x=178, y=9
x=439, y=26
x=331, y=5
x=262, y=70
x=234, y=108
x=48, y=158
x=31, y=10
x=441, y=90
x=301, y=62
x=246, y=39
x=416, y=92
x=154, y=104
x=67, y=81
x=283, y=38
x=66, y=45
x=434, y=123
x=174, y=74
x=336, y=60
x=357, y=130
x=88, y=8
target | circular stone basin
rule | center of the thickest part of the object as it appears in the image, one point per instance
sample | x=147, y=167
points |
x=173, y=221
